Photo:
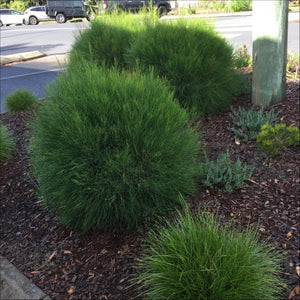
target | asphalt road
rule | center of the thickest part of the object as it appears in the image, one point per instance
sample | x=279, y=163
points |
x=55, y=40
x=34, y=75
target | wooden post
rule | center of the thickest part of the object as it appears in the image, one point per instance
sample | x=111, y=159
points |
x=270, y=24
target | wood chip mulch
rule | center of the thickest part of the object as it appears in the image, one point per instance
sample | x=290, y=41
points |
x=69, y=265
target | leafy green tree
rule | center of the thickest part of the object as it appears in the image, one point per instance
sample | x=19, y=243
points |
x=28, y=3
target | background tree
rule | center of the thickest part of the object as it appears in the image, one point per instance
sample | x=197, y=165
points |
x=14, y=4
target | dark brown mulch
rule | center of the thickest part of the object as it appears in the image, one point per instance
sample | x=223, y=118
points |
x=68, y=265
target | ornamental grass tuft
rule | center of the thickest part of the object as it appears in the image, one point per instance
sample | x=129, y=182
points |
x=20, y=100
x=7, y=143
x=112, y=148
x=196, y=257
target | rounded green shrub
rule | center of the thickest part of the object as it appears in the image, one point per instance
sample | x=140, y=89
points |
x=198, y=258
x=20, y=100
x=7, y=143
x=111, y=148
x=107, y=39
x=193, y=58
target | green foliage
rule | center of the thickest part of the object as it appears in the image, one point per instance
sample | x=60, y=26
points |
x=108, y=38
x=223, y=174
x=19, y=5
x=240, y=5
x=248, y=123
x=293, y=63
x=197, y=258
x=191, y=10
x=273, y=139
x=193, y=58
x=111, y=148
x=232, y=6
x=20, y=100
x=4, y=5
x=242, y=58
x=7, y=143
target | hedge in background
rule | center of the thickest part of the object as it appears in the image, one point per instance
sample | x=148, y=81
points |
x=198, y=258
x=194, y=59
x=110, y=148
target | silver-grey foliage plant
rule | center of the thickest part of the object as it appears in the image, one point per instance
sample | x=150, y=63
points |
x=247, y=124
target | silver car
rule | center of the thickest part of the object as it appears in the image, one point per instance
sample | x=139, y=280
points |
x=11, y=16
x=35, y=14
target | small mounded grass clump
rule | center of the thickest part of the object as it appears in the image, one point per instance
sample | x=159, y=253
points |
x=7, y=143
x=196, y=61
x=20, y=100
x=112, y=148
x=198, y=258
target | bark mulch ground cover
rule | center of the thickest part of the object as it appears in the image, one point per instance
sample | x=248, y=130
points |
x=69, y=265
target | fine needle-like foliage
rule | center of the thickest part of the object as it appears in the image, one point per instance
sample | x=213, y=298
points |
x=195, y=257
x=20, y=100
x=193, y=58
x=111, y=148
x=7, y=143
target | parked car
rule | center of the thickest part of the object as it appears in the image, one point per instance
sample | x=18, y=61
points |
x=11, y=16
x=35, y=14
x=163, y=6
x=67, y=10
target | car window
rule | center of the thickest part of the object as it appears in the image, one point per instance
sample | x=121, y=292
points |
x=4, y=12
x=77, y=4
x=15, y=12
x=35, y=9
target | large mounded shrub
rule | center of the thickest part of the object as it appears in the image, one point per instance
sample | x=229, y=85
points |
x=197, y=258
x=108, y=38
x=194, y=59
x=111, y=148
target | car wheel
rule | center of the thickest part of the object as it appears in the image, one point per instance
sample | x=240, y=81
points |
x=1, y=24
x=162, y=10
x=60, y=18
x=33, y=20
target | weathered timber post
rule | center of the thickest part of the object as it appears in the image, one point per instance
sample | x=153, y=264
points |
x=270, y=24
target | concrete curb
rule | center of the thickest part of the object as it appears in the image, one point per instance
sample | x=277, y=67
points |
x=208, y=15
x=292, y=16
x=14, y=285
x=7, y=59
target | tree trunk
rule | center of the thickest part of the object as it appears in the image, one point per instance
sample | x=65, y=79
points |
x=270, y=24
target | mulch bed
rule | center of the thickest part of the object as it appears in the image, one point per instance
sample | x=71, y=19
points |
x=69, y=265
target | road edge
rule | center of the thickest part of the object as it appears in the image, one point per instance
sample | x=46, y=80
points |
x=8, y=59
